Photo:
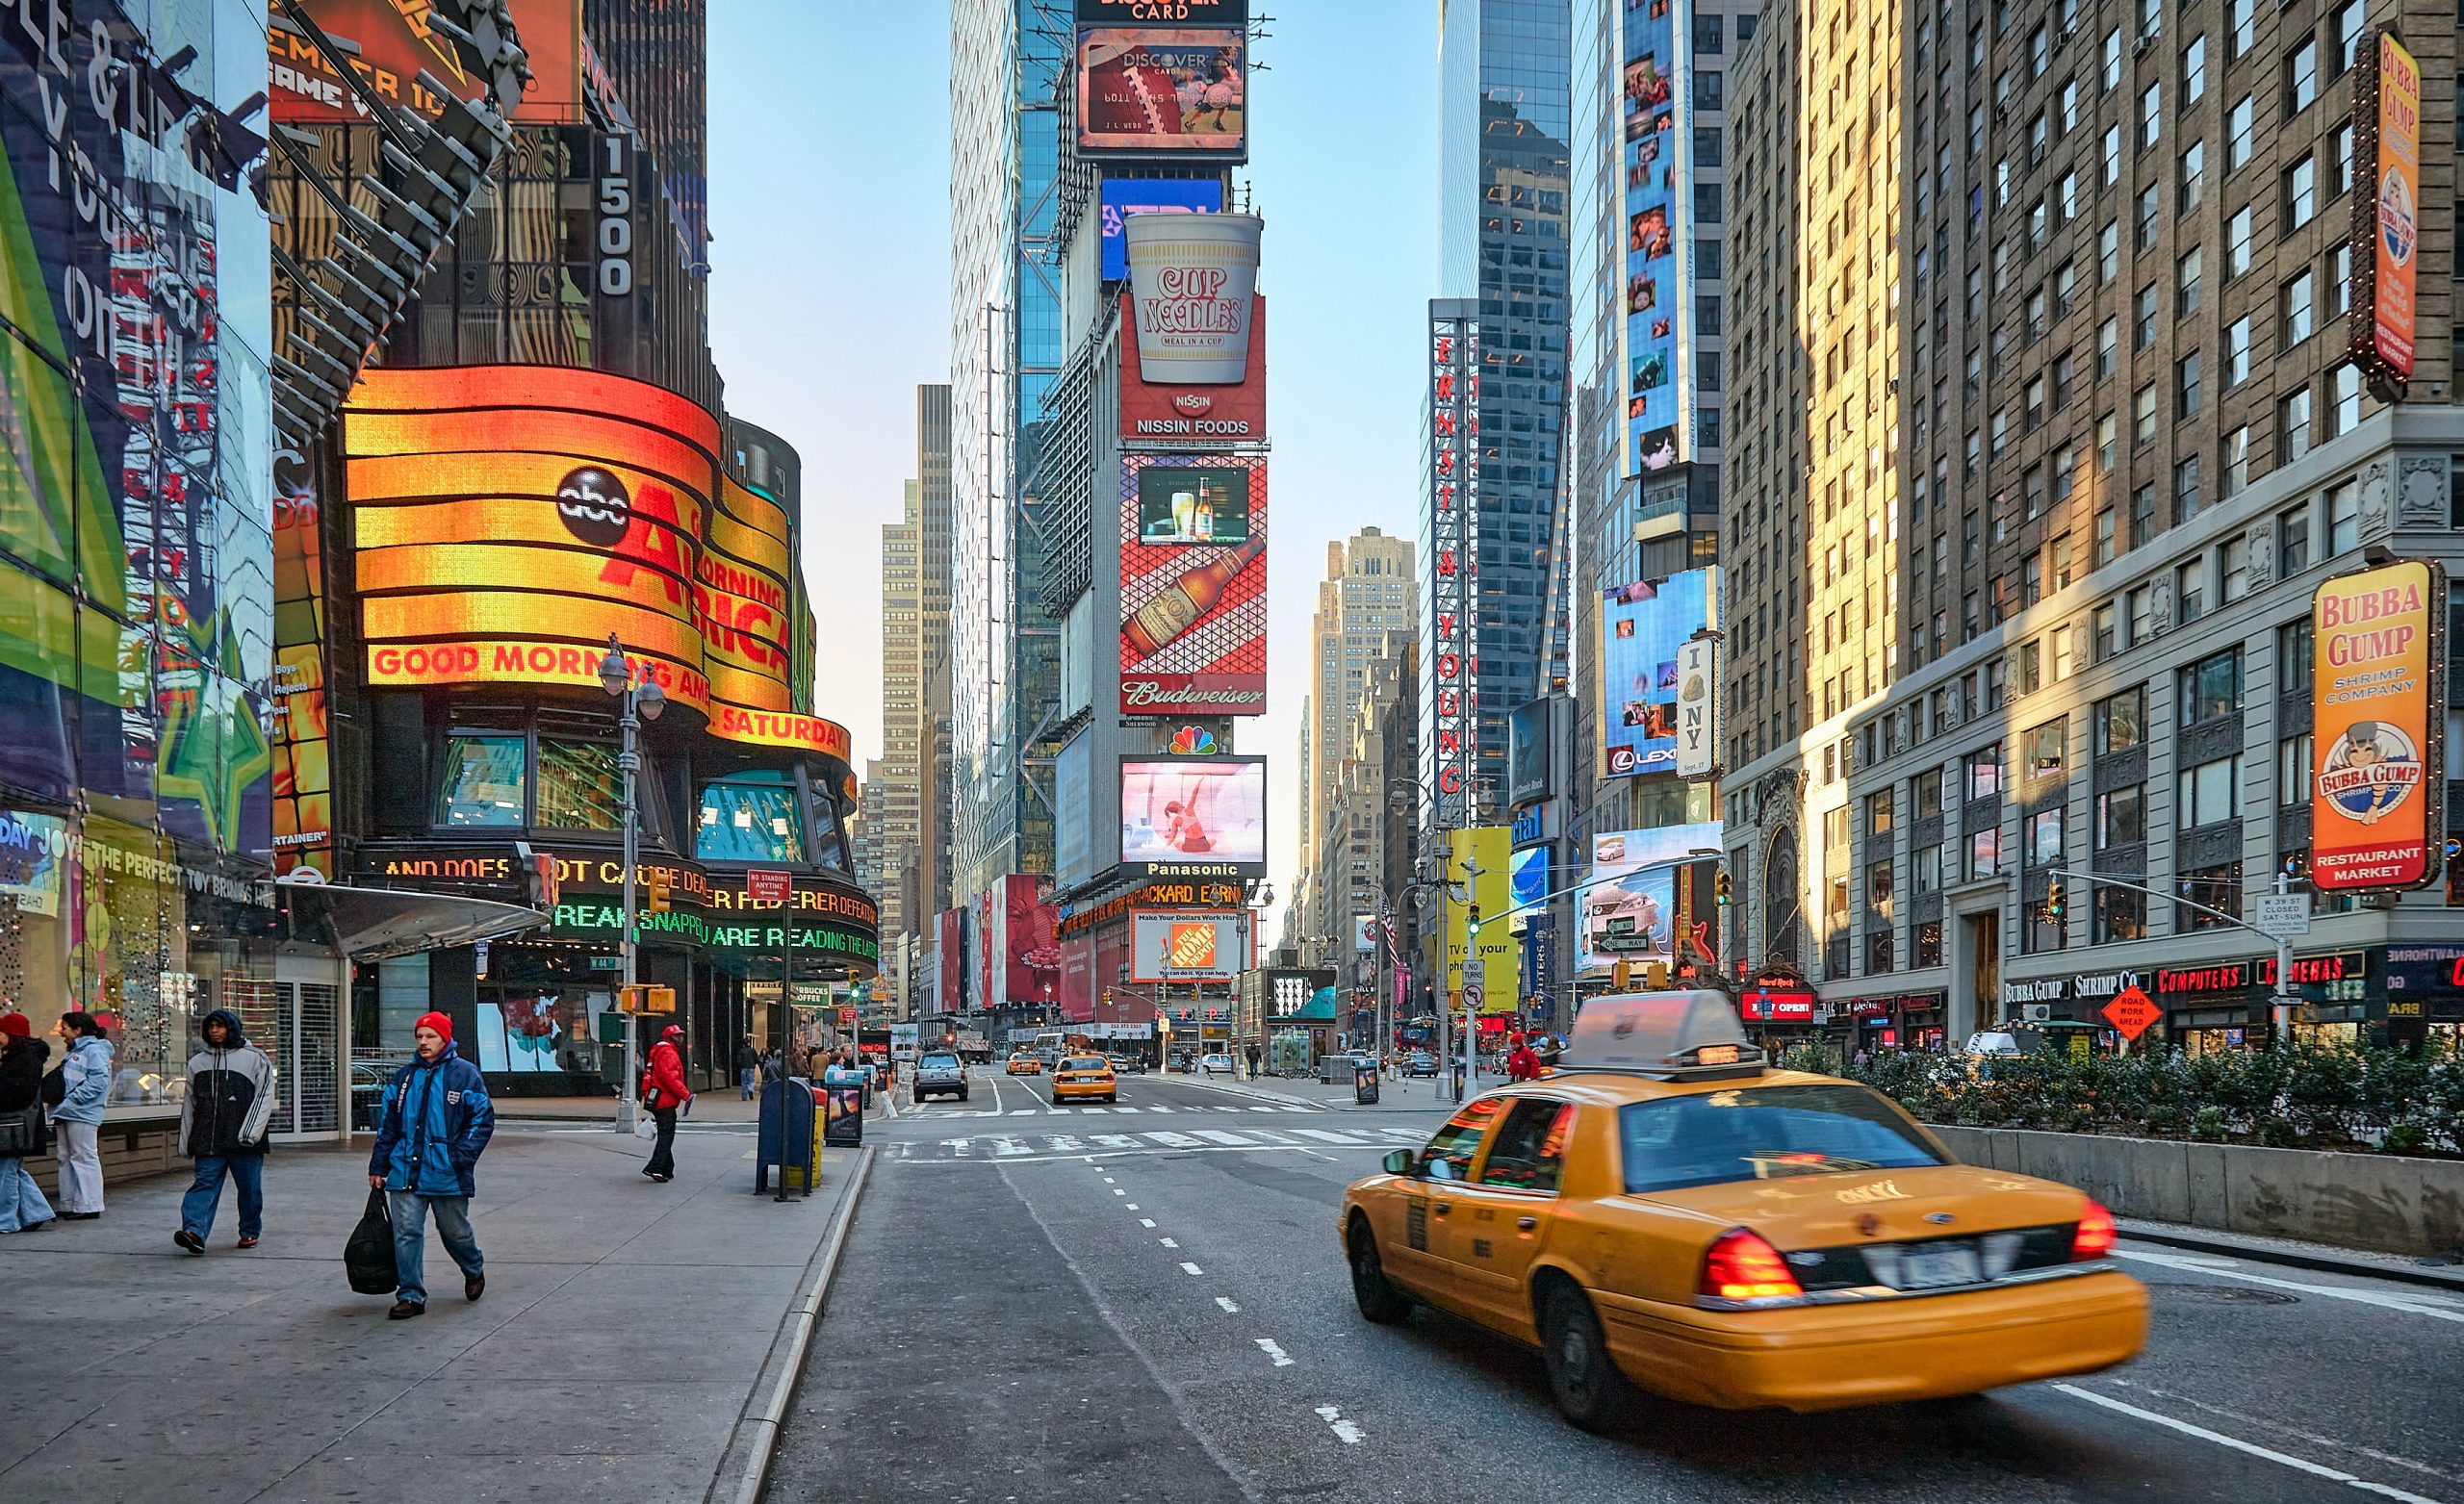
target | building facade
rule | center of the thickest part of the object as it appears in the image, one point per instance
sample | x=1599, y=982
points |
x=915, y=634
x=1367, y=598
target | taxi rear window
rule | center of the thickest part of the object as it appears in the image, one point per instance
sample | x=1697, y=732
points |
x=1084, y=1062
x=1763, y=1133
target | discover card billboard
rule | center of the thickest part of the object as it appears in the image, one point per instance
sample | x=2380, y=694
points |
x=1643, y=628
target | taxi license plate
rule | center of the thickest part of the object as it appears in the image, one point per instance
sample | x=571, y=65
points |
x=1939, y=1264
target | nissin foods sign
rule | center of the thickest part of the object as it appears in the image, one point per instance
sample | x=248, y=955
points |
x=507, y=520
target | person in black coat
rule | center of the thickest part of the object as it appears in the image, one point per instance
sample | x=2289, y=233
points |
x=22, y=1207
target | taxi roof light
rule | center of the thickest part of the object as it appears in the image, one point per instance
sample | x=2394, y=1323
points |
x=1692, y=1035
x=1742, y=1266
x=2095, y=1236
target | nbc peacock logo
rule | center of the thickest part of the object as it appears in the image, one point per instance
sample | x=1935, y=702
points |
x=1192, y=741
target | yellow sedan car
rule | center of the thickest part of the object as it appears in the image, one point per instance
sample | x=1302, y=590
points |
x=1084, y=1076
x=1024, y=1064
x=1666, y=1212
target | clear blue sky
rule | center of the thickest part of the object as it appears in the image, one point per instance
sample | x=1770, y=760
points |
x=830, y=292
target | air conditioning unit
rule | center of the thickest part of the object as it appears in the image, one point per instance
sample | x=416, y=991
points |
x=2037, y=1012
x=2139, y=48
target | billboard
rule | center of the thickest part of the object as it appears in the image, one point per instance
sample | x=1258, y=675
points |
x=1630, y=900
x=950, y=949
x=506, y=520
x=1198, y=13
x=1195, y=816
x=1491, y=849
x=1194, y=613
x=1527, y=752
x=1530, y=879
x=1656, y=111
x=1698, y=704
x=1193, y=504
x=1193, y=289
x=1174, y=409
x=1121, y=198
x=1023, y=957
x=1188, y=945
x=1163, y=91
x=1643, y=628
x=303, y=797
x=2378, y=713
x=1449, y=626
x=2386, y=218
x=391, y=43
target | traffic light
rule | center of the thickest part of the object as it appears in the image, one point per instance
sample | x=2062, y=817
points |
x=1472, y=921
x=1655, y=976
x=1719, y=890
x=2053, y=901
x=1623, y=978
x=658, y=892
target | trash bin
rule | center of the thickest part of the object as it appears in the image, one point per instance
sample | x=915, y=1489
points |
x=1364, y=1080
x=788, y=1137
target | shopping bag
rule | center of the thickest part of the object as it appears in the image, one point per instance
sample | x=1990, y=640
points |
x=644, y=1126
x=369, y=1256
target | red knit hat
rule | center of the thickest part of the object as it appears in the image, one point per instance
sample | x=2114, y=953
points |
x=437, y=1021
x=16, y=1025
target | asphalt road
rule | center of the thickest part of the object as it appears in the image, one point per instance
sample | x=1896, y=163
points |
x=1072, y=1305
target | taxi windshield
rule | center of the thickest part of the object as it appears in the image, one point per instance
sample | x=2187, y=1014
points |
x=1086, y=1063
x=1763, y=1133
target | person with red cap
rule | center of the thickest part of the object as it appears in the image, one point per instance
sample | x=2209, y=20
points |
x=1524, y=1064
x=664, y=1092
x=437, y=1120
x=22, y=1207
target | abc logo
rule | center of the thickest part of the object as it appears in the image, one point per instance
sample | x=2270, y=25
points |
x=593, y=506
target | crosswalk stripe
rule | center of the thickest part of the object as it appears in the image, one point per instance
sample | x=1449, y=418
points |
x=1219, y=1136
x=1117, y=1140
x=1173, y=1140
x=1128, y=1110
x=1330, y=1135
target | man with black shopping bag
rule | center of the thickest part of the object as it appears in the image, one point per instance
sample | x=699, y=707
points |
x=437, y=1123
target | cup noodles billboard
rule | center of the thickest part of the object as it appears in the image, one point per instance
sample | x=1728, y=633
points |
x=2379, y=708
x=1171, y=410
x=1192, y=281
x=1163, y=91
x=1193, y=601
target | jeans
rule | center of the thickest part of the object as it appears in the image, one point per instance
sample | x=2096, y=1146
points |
x=747, y=1078
x=662, y=1160
x=247, y=1171
x=21, y=1202
x=81, y=1165
x=409, y=1210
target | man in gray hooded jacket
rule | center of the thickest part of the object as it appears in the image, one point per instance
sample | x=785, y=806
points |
x=222, y=1127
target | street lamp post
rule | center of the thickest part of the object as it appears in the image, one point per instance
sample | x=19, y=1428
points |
x=639, y=700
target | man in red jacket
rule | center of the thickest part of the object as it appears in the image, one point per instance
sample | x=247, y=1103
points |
x=664, y=1092
x=1523, y=1064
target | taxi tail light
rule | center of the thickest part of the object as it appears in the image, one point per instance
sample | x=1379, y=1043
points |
x=1742, y=1266
x=2095, y=1236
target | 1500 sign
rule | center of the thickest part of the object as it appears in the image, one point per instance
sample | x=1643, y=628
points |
x=615, y=240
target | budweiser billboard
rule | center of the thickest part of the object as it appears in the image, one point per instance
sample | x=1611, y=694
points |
x=1185, y=412
x=1192, y=282
x=1193, y=584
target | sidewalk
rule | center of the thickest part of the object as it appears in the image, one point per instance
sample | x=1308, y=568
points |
x=631, y=1345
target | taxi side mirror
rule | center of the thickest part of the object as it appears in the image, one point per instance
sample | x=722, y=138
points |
x=1399, y=1161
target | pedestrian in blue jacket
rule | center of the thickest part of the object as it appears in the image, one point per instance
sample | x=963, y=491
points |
x=437, y=1122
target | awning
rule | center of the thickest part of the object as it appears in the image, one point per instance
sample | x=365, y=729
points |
x=372, y=924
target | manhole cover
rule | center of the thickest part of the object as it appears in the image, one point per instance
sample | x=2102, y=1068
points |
x=2221, y=1295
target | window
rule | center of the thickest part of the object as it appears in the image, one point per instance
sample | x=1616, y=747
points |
x=2039, y=52
x=2237, y=352
x=2294, y=671
x=1984, y=852
x=2209, y=689
x=2216, y=887
x=580, y=787
x=2040, y=837
x=2339, y=162
x=1928, y=944
x=2109, y=159
x=1707, y=141
x=1707, y=203
x=2121, y=817
x=2064, y=664
x=1706, y=314
x=2292, y=543
x=1985, y=772
x=2293, y=771
x=2186, y=284
x=2298, y=305
x=2292, y=427
x=1878, y=813
x=2121, y=721
x=2302, y=77
x=2031, y=672
x=2142, y=415
x=2151, y=114
x=1925, y=793
x=2186, y=496
x=2047, y=749
x=2241, y=26
x=2301, y=193
x=2348, y=24
x=2143, y=514
x=2344, y=520
x=1925, y=867
x=483, y=780
x=2237, y=568
x=2105, y=644
x=2104, y=550
x=2108, y=253
x=1753, y=1133
x=2204, y=794
x=2152, y=200
x=2118, y=914
x=2065, y=288
x=751, y=818
x=2070, y=106
x=2237, y=461
x=2194, y=71
x=2111, y=76
x=2241, y=132
x=2344, y=407
x=1746, y=26
x=1711, y=91
x=2186, y=386
x=1448, y=1156
x=1707, y=33
x=2240, y=234
x=2190, y=592
x=2108, y=344
x=1529, y=1149
x=2142, y=327
x=2105, y=441
x=2194, y=188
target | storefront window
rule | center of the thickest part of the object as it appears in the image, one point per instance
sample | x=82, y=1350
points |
x=482, y=781
x=580, y=786
x=747, y=820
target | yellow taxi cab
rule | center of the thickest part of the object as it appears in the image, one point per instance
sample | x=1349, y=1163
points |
x=1088, y=1076
x=1666, y=1212
x=1025, y=1065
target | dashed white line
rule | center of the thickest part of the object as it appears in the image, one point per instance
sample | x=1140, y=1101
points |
x=2406, y=1301
x=1117, y=1191
x=1225, y=1302
x=1145, y=1221
x=1268, y=1346
x=2236, y=1443
x=1168, y=1242
x=1132, y=1207
x=1191, y=1268
x=1345, y=1431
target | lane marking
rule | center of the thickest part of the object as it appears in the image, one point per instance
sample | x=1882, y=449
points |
x=1226, y=1303
x=1175, y=1140
x=1006, y=1145
x=1168, y=1242
x=1145, y=1221
x=2249, y=1448
x=959, y=1146
x=1344, y=1430
x=2410, y=1304
x=1116, y=1141
x=1217, y=1135
x=2295, y=1432
x=1022, y=1112
x=1132, y=1207
x=1117, y=1191
x=1191, y=1268
x=1332, y=1135
x=1274, y=1350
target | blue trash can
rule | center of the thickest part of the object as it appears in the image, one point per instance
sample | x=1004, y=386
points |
x=783, y=1140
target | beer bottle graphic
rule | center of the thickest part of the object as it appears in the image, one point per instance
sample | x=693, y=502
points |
x=1178, y=605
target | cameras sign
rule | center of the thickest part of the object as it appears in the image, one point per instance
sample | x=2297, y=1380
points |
x=2374, y=807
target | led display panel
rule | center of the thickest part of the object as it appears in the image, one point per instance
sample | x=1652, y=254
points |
x=1195, y=816
x=1194, y=607
x=1163, y=91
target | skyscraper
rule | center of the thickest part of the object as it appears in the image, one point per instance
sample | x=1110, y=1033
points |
x=1365, y=602
x=1502, y=72
x=914, y=639
x=1004, y=347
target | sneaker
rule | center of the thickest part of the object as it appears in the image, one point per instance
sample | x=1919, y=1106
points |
x=247, y=1242
x=81, y=1216
x=404, y=1310
x=189, y=1240
x=475, y=1287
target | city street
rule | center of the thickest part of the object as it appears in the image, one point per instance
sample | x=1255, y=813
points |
x=1072, y=1304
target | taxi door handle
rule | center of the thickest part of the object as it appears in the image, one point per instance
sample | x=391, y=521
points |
x=1442, y=1208
x=1527, y=1223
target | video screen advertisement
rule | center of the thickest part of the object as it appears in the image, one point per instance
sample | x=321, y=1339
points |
x=507, y=519
x=1164, y=91
x=1193, y=817
x=1629, y=901
x=1022, y=956
x=1193, y=584
x=393, y=43
x=1657, y=80
x=1121, y=198
x=2379, y=712
x=1642, y=629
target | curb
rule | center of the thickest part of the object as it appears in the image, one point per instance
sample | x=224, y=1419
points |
x=744, y=1469
x=2166, y=1236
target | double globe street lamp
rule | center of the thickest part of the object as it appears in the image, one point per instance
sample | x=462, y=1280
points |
x=639, y=700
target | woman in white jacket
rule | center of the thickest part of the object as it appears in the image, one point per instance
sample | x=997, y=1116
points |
x=77, y=1121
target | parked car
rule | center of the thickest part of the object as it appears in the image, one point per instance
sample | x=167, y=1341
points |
x=1215, y=1064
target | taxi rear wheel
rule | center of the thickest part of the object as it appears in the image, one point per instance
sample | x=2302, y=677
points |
x=1379, y=1301
x=1589, y=1389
